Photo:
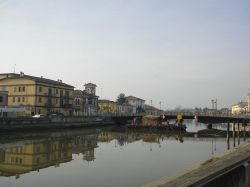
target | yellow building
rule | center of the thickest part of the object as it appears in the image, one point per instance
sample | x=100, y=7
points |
x=37, y=94
x=107, y=106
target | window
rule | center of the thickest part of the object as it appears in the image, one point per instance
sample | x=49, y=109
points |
x=14, y=99
x=39, y=111
x=18, y=99
x=56, y=91
x=40, y=89
x=19, y=89
x=15, y=89
x=23, y=99
x=1, y=98
x=67, y=93
x=38, y=149
x=61, y=102
x=23, y=88
x=3, y=88
x=39, y=99
x=56, y=101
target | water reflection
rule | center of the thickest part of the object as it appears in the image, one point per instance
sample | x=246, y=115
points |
x=36, y=155
x=38, y=152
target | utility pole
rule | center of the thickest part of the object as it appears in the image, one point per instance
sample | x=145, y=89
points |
x=214, y=104
x=212, y=101
x=14, y=69
x=151, y=107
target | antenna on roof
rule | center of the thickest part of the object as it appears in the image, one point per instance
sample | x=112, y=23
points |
x=14, y=69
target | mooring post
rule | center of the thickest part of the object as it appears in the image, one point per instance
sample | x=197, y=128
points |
x=234, y=132
x=228, y=142
x=238, y=132
x=244, y=130
x=247, y=174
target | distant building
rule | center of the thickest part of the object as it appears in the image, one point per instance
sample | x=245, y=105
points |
x=240, y=108
x=3, y=98
x=37, y=95
x=85, y=102
x=248, y=103
x=225, y=111
x=150, y=110
x=107, y=107
x=137, y=103
x=125, y=108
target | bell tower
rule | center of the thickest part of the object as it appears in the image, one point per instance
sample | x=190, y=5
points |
x=90, y=88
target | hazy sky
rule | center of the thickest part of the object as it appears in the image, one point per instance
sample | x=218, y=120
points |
x=179, y=52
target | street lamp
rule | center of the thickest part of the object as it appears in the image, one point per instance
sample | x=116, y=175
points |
x=151, y=107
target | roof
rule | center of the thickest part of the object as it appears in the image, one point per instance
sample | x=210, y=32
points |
x=105, y=101
x=90, y=84
x=241, y=104
x=134, y=98
x=37, y=79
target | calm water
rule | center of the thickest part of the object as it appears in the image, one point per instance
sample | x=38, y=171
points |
x=105, y=157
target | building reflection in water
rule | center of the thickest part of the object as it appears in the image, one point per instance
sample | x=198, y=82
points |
x=39, y=154
x=36, y=154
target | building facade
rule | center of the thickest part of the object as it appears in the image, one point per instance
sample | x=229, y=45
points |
x=37, y=95
x=137, y=103
x=240, y=108
x=125, y=109
x=3, y=98
x=107, y=107
x=85, y=102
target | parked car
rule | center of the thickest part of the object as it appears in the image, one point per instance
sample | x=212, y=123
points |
x=56, y=114
x=38, y=116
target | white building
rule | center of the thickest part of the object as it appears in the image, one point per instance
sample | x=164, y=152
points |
x=137, y=103
x=12, y=111
x=85, y=102
x=125, y=109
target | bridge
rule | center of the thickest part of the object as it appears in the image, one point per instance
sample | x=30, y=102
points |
x=207, y=118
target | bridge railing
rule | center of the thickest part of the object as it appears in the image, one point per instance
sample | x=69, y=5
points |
x=208, y=114
x=121, y=114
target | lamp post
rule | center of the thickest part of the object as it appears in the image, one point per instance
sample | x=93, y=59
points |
x=151, y=107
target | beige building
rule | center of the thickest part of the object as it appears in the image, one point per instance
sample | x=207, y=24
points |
x=37, y=94
x=240, y=108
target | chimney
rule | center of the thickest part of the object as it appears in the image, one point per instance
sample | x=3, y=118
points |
x=21, y=74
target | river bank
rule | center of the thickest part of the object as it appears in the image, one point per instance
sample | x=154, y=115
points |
x=24, y=124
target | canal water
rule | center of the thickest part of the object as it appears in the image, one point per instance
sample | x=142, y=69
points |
x=103, y=157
